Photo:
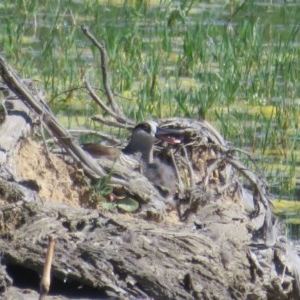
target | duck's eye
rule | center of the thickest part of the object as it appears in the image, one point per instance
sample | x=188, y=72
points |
x=146, y=127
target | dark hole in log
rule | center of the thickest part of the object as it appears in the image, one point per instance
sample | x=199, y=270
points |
x=22, y=277
x=25, y=278
x=187, y=282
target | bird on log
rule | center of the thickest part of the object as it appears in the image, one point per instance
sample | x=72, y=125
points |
x=140, y=150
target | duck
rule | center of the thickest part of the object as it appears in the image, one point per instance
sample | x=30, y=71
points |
x=140, y=151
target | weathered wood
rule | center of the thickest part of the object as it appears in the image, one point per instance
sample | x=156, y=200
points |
x=108, y=249
x=136, y=258
x=17, y=123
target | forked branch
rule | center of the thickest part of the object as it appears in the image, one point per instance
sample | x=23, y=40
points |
x=116, y=111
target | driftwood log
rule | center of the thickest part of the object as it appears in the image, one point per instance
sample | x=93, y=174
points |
x=221, y=242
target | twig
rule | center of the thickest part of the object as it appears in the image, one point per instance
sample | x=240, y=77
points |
x=180, y=183
x=111, y=123
x=215, y=164
x=285, y=265
x=120, y=116
x=68, y=91
x=258, y=183
x=189, y=166
x=46, y=278
x=96, y=98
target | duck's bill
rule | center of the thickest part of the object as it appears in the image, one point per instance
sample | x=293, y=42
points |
x=168, y=135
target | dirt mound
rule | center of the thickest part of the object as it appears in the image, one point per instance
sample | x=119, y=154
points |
x=57, y=180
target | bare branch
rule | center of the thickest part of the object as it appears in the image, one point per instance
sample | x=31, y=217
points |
x=257, y=182
x=111, y=123
x=46, y=278
x=118, y=114
x=122, y=119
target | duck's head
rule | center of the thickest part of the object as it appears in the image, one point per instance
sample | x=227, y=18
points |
x=143, y=137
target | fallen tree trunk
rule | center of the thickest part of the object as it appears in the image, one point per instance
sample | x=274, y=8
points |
x=226, y=244
x=130, y=257
x=124, y=257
